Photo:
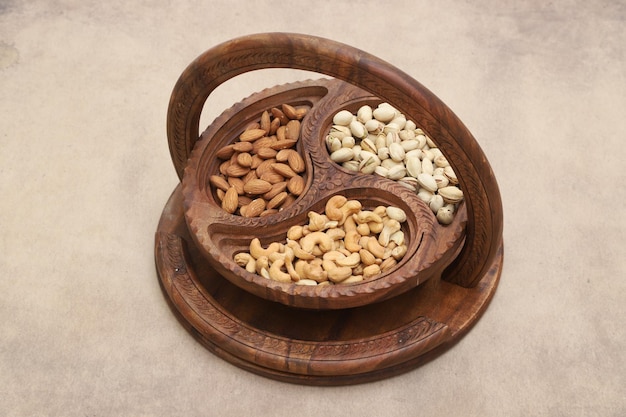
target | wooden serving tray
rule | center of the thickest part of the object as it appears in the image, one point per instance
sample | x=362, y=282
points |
x=345, y=335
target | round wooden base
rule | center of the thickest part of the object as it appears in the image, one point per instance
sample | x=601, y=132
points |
x=336, y=347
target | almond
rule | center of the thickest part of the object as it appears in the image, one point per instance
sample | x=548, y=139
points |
x=250, y=176
x=289, y=111
x=265, y=167
x=230, y=200
x=279, y=115
x=243, y=146
x=224, y=167
x=272, y=177
x=283, y=144
x=219, y=182
x=274, y=126
x=283, y=155
x=265, y=122
x=251, y=135
x=292, y=130
x=277, y=188
x=277, y=200
x=255, y=208
x=264, y=142
x=225, y=152
x=296, y=185
x=301, y=112
x=266, y=153
x=284, y=170
x=244, y=159
x=237, y=183
x=236, y=170
x=296, y=162
x=257, y=187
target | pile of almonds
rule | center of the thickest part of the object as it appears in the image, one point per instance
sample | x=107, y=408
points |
x=345, y=244
x=262, y=172
x=382, y=141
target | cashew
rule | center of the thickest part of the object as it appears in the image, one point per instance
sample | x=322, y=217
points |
x=320, y=239
x=349, y=261
x=262, y=262
x=397, y=237
x=256, y=250
x=316, y=221
x=376, y=249
x=339, y=274
x=336, y=233
x=351, y=241
x=306, y=282
x=247, y=261
x=363, y=229
x=389, y=227
x=298, y=252
x=375, y=227
x=315, y=272
x=333, y=207
x=367, y=216
x=353, y=279
x=295, y=232
x=333, y=255
x=398, y=252
x=277, y=274
x=348, y=209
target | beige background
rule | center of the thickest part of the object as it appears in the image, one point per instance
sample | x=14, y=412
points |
x=85, y=172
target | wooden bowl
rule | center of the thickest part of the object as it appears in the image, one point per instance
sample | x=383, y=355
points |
x=461, y=252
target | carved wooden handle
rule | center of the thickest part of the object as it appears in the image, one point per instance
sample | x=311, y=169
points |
x=305, y=52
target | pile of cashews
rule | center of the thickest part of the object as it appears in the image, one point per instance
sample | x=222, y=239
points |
x=344, y=245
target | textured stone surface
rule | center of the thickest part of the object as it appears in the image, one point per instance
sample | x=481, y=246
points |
x=85, y=173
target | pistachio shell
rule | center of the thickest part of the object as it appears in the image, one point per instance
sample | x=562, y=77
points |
x=441, y=180
x=451, y=175
x=384, y=113
x=441, y=161
x=396, y=152
x=451, y=194
x=406, y=134
x=424, y=195
x=351, y=166
x=358, y=130
x=348, y=142
x=427, y=181
x=435, y=203
x=427, y=166
x=343, y=118
x=413, y=166
x=342, y=155
x=368, y=145
x=364, y=114
x=445, y=215
x=396, y=172
x=381, y=171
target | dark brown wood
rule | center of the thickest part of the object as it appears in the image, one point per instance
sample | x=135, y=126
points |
x=332, y=335
x=219, y=235
x=332, y=347
x=483, y=232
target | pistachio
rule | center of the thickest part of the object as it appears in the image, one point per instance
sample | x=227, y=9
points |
x=343, y=118
x=342, y=155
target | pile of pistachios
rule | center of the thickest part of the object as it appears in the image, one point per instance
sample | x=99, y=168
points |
x=381, y=141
